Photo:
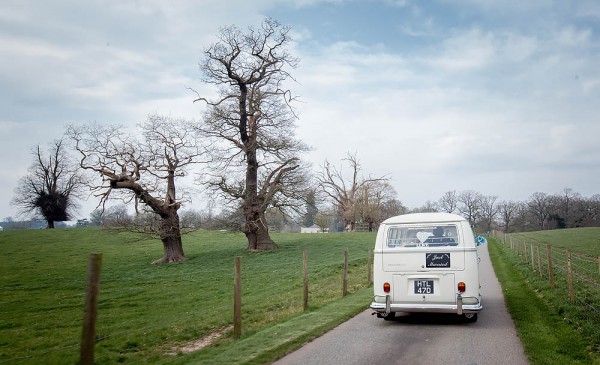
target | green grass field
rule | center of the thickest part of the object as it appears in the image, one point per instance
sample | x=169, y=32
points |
x=553, y=329
x=146, y=311
x=585, y=240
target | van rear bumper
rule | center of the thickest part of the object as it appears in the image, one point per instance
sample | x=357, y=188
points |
x=459, y=308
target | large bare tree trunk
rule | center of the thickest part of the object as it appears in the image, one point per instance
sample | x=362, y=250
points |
x=257, y=232
x=256, y=229
x=170, y=236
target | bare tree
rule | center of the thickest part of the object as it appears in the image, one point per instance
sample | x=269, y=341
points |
x=276, y=219
x=540, y=206
x=590, y=211
x=116, y=216
x=192, y=219
x=567, y=201
x=448, y=202
x=392, y=208
x=489, y=210
x=345, y=189
x=470, y=205
x=508, y=211
x=428, y=207
x=52, y=183
x=372, y=198
x=524, y=220
x=251, y=124
x=145, y=169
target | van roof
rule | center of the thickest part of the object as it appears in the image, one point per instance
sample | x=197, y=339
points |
x=424, y=218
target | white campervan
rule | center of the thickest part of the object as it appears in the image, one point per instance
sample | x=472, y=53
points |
x=426, y=262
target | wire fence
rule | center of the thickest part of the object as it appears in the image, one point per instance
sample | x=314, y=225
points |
x=571, y=274
x=326, y=282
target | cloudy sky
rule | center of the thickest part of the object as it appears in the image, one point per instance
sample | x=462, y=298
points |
x=497, y=96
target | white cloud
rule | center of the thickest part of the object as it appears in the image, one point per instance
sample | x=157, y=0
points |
x=465, y=51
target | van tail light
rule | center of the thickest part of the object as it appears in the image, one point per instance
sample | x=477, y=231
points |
x=462, y=287
x=386, y=287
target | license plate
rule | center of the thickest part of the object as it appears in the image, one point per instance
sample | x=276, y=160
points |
x=423, y=286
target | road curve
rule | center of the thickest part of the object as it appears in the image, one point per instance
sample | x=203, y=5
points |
x=422, y=338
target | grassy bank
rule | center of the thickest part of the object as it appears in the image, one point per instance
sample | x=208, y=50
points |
x=585, y=240
x=274, y=341
x=147, y=311
x=544, y=321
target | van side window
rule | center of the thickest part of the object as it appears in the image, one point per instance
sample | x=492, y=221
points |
x=423, y=236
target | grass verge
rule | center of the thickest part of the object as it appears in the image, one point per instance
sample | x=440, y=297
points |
x=277, y=340
x=546, y=336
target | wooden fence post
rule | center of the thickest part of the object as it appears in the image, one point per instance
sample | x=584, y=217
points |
x=550, y=272
x=305, y=280
x=532, y=257
x=369, y=267
x=237, y=298
x=88, y=335
x=345, y=280
x=539, y=260
x=525, y=252
x=570, y=278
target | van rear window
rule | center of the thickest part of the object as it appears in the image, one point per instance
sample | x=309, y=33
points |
x=422, y=236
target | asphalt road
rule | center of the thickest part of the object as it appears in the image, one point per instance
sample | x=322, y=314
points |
x=422, y=338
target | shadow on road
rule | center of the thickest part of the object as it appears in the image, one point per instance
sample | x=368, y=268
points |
x=435, y=319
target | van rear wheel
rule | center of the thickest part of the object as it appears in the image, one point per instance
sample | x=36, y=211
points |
x=470, y=317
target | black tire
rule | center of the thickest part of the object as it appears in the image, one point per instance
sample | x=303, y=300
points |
x=470, y=317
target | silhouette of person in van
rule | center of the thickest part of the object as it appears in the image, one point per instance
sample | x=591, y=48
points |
x=438, y=238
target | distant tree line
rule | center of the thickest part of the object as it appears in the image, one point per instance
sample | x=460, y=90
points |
x=541, y=211
x=353, y=202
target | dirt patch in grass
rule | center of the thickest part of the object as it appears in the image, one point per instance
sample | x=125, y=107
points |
x=201, y=343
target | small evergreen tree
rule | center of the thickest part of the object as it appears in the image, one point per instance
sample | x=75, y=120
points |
x=311, y=210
